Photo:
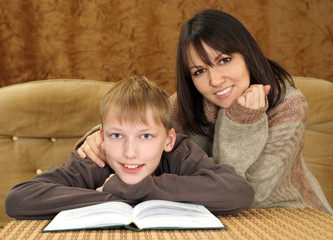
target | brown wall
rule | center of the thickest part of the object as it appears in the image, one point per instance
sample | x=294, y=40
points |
x=109, y=39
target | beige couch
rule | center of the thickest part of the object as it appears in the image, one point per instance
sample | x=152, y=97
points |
x=41, y=121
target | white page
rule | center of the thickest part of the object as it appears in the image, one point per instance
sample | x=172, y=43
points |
x=154, y=214
x=100, y=215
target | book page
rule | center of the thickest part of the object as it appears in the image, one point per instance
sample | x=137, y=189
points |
x=168, y=214
x=100, y=215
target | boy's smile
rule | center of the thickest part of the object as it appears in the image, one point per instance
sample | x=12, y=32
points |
x=132, y=166
x=134, y=150
x=128, y=168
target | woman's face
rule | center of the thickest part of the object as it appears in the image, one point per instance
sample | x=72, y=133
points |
x=224, y=81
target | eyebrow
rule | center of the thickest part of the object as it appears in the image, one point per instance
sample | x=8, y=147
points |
x=218, y=57
x=195, y=66
x=141, y=130
x=215, y=59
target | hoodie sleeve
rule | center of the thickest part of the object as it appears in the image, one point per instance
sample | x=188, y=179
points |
x=189, y=175
x=70, y=186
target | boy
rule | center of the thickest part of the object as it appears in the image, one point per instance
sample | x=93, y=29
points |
x=145, y=161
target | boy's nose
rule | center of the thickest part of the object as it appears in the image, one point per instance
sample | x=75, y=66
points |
x=130, y=150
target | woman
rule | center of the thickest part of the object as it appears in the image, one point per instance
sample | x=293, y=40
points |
x=241, y=108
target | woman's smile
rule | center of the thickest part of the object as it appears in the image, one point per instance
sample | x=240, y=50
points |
x=222, y=82
x=224, y=93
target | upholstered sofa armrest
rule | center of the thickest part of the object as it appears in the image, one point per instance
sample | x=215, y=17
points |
x=318, y=148
x=40, y=122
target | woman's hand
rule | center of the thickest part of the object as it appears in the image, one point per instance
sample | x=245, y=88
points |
x=254, y=96
x=100, y=189
x=93, y=149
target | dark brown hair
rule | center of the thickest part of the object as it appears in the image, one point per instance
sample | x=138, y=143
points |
x=226, y=34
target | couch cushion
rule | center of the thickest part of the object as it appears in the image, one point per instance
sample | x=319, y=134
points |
x=40, y=122
x=318, y=149
x=51, y=108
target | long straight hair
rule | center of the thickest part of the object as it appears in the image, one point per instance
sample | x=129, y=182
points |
x=226, y=34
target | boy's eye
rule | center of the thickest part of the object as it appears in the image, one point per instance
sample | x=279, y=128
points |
x=225, y=60
x=116, y=135
x=146, y=136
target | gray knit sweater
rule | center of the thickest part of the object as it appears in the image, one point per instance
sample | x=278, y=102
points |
x=265, y=148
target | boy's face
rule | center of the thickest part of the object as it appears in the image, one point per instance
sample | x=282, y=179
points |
x=134, y=151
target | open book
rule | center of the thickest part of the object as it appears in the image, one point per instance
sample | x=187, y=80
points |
x=152, y=214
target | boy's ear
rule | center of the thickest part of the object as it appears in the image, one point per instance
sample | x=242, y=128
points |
x=102, y=136
x=171, y=140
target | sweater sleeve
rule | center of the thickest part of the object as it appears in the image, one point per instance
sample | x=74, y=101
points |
x=273, y=167
x=240, y=136
x=192, y=177
x=70, y=186
x=264, y=151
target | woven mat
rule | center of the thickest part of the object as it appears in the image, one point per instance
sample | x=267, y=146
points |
x=251, y=224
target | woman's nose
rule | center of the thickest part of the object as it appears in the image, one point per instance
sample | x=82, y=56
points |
x=216, y=77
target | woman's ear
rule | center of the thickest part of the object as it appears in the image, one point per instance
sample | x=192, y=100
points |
x=102, y=137
x=171, y=140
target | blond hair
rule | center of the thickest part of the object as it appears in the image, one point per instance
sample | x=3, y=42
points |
x=130, y=99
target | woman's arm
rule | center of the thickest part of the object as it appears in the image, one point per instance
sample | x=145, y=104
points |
x=263, y=151
x=240, y=136
x=90, y=146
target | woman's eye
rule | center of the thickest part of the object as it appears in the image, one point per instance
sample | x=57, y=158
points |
x=116, y=135
x=225, y=60
x=146, y=136
x=199, y=71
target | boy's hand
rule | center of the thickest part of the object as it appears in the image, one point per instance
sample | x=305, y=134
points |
x=254, y=96
x=100, y=189
x=93, y=149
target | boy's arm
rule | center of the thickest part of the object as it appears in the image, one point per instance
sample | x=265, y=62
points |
x=191, y=176
x=70, y=186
